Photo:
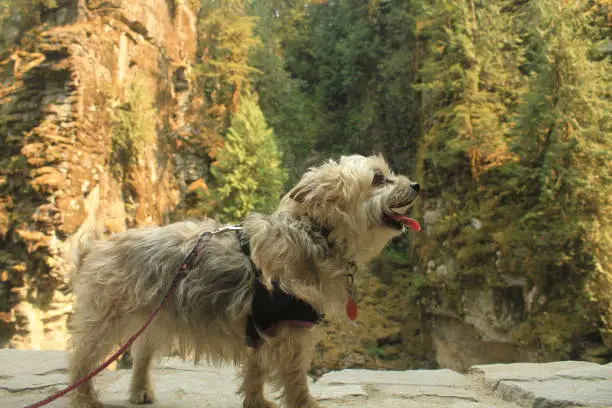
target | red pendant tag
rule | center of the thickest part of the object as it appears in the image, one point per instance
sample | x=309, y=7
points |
x=351, y=308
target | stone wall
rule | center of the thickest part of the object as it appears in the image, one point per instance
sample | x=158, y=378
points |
x=63, y=89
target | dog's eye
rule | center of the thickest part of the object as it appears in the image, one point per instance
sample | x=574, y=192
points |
x=379, y=179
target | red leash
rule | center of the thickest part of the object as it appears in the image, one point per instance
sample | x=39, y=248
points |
x=187, y=265
x=112, y=358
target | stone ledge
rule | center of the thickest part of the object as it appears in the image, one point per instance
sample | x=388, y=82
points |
x=442, y=377
x=550, y=385
x=29, y=376
x=579, y=370
x=557, y=393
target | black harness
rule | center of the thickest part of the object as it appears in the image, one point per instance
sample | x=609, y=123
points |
x=271, y=308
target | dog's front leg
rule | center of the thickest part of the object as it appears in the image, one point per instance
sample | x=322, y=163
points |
x=295, y=392
x=292, y=356
x=254, y=377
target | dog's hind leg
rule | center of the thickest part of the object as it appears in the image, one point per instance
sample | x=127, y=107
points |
x=90, y=347
x=143, y=351
x=252, y=387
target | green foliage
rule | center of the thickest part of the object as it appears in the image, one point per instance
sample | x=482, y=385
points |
x=469, y=86
x=356, y=84
x=502, y=108
x=248, y=168
x=469, y=90
x=564, y=138
x=416, y=287
x=16, y=16
x=516, y=134
x=226, y=37
x=288, y=109
x=225, y=40
x=245, y=172
x=378, y=352
x=509, y=118
x=134, y=127
x=342, y=47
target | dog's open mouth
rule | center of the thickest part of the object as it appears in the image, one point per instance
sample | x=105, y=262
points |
x=395, y=218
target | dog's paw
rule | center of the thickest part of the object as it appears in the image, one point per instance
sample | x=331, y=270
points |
x=80, y=403
x=310, y=403
x=313, y=404
x=259, y=403
x=142, y=396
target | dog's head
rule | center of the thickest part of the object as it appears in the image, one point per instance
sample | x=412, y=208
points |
x=359, y=199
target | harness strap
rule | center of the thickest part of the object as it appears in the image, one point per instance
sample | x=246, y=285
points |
x=270, y=309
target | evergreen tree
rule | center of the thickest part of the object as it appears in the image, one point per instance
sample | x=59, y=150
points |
x=358, y=85
x=288, y=110
x=469, y=91
x=468, y=84
x=226, y=38
x=394, y=113
x=248, y=169
x=563, y=138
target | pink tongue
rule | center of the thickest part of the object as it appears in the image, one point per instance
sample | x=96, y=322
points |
x=412, y=223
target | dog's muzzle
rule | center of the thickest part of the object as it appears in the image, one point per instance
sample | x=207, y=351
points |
x=395, y=216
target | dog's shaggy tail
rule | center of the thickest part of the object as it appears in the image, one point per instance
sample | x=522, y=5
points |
x=80, y=246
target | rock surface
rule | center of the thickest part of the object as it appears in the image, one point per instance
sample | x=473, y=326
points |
x=558, y=384
x=28, y=376
x=68, y=87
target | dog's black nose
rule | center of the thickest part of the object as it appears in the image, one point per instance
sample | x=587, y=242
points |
x=416, y=187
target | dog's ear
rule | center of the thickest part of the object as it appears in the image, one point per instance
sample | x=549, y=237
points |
x=320, y=185
x=299, y=193
x=321, y=190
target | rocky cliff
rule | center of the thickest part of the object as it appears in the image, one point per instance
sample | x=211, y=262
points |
x=93, y=99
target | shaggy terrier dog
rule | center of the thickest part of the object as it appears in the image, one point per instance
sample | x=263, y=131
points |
x=251, y=292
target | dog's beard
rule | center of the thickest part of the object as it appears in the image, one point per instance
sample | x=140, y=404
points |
x=392, y=209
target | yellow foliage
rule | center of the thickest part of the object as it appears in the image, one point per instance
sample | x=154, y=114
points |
x=198, y=186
